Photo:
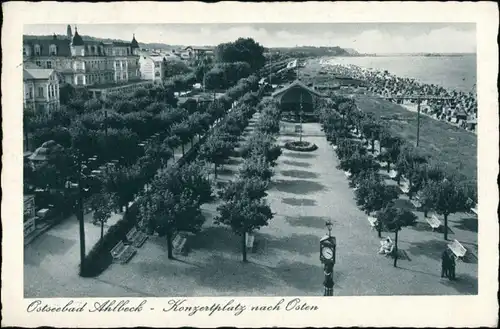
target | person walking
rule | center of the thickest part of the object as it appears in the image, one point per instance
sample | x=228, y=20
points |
x=445, y=264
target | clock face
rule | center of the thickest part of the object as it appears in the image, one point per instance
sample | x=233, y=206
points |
x=327, y=253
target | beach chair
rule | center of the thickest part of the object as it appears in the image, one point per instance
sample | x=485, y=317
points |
x=122, y=253
x=347, y=174
x=393, y=174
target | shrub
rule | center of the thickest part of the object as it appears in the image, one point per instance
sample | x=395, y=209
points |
x=301, y=146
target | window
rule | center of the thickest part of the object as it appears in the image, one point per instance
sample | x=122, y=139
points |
x=49, y=64
x=157, y=74
x=38, y=63
x=31, y=92
x=40, y=91
x=26, y=51
x=37, y=50
x=53, y=50
x=83, y=52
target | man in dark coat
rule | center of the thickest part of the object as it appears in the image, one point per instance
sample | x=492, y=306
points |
x=451, y=268
x=445, y=264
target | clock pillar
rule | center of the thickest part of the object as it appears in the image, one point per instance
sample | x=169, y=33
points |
x=328, y=246
x=328, y=282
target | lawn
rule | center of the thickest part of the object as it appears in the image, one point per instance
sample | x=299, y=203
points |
x=453, y=147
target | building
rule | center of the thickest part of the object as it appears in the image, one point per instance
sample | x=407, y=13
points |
x=296, y=97
x=152, y=66
x=84, y=62
x=192, y=53
x=41, y=89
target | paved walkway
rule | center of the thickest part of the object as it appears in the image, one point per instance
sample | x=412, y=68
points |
x=307, y=189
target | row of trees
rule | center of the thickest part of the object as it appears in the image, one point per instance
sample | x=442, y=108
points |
x=245, y=209
x=436, y=189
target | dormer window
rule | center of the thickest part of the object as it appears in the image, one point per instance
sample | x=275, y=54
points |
x=53, y=50
x=37, y=50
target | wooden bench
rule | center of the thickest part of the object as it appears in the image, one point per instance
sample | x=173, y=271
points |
x=416, y=203
x=136, y=238
x=179, y=243
x=433, y=221
x=122, y=253
x=405, y=188
x=458, y=250
x=373, y=221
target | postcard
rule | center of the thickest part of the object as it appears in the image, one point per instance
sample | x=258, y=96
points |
x=250, y=164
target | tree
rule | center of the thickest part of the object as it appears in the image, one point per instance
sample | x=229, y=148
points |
x=252, y=188
x=392, y=150
x=102, y=205
x=175, y=67
x=244, y=215
x=373, y=195
x=394, y=219
x=357, y=163
x=445, y=197
x=216, y=149
x=184, y=131
x=242, y=50
x=173, y=141
x=256, y=166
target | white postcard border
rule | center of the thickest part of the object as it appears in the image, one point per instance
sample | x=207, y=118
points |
x=417, y=311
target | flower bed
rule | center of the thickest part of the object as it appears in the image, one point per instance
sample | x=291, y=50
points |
x=301, y=146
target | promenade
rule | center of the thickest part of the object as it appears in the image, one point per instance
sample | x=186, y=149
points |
x=306, y=190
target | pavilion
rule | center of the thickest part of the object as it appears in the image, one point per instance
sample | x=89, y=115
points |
x=296, y=97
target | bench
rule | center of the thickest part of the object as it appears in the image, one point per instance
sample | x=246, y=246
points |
x=416, y=203
x=122, y=253
x=433, y=221
x=458, y=250
x=137, y=238
x=405, y=188
x=373, y=221
x=179, y=243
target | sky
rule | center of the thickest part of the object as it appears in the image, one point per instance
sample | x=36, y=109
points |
x=363, y=37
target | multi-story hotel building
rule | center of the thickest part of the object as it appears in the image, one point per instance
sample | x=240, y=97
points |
x=85, y=62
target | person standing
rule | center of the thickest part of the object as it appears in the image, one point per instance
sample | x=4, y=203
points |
x=451, y=270
x=445, y=264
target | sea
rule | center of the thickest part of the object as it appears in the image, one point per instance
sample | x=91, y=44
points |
x=457, y=72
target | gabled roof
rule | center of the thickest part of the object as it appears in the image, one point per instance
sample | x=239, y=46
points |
x=295, y=84
x=37, y=74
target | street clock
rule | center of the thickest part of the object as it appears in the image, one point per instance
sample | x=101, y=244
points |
x=327, y=248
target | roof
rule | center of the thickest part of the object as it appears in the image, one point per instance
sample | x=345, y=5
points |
x=134, y=43
x=62, y=45
x=37, y=74
x=77, y=39
x=156, y=58
x=121, y=44
x=297, y=83
x=200, y=48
